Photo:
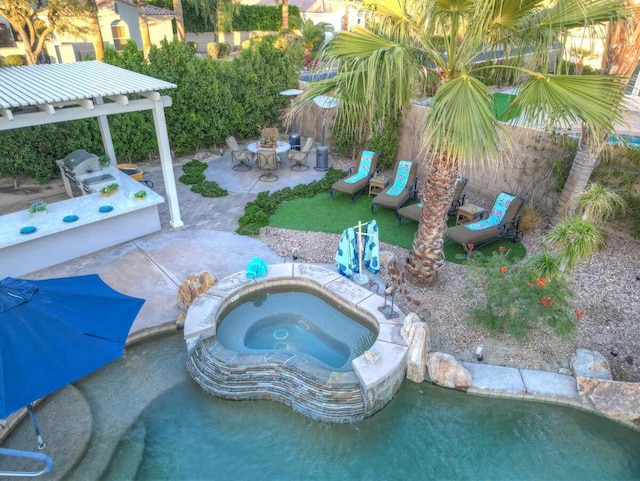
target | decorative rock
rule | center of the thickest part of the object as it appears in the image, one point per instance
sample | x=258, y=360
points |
x=565, y=371
x=417, y=353
x=194, y=286
x=618, y=400
x=409, y=320
x=588, y=363
x=386, y=257
x=446, y=371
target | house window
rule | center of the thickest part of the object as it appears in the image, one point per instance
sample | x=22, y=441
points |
x=120, y=34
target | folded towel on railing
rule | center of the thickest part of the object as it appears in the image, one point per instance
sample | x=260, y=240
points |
x=402, y=177
x=365, y=167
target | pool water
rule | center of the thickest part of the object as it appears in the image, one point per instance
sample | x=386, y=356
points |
x=426, y=432
x=295, y=322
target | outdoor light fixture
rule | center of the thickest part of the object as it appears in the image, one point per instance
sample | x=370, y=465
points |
x=387, y=310
x=294, y=137
x=325, y=102
x=479, y=355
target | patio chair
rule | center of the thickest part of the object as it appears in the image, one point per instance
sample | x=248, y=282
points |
x=414, y=211
x=239, y=157
x=300, y=156
x=501, y=222
x=353, y=185
x=267, y=160
x=401, y=190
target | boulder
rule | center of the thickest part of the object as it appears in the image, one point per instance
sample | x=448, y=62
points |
x=417, y=352
x=194, y=286
x=446, y=371
x=408, y=321
x=586, y=363
x=387, y=257
x=618, y=400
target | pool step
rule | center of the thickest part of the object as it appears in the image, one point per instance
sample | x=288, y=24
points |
x=311, y=390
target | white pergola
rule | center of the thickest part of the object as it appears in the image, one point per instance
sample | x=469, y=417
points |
x=49, y=93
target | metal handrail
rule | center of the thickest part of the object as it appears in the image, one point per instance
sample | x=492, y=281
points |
x=27, y=454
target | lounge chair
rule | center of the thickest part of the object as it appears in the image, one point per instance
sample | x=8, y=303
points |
x=240, y=157
x=300, y=156
x=403, y=187
x=414, y=211
x=267, y=160
x=353, y=185
x=501, y=222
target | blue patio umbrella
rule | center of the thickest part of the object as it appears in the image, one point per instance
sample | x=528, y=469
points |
x=55, y=331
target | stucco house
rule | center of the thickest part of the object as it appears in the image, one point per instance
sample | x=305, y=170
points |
x=118, y=24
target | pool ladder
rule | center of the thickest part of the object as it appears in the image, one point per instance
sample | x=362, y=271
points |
x=48, y=462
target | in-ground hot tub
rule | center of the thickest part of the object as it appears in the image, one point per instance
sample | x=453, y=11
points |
x=324, y=348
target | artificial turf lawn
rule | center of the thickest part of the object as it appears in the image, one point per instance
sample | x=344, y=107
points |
x=321, y=214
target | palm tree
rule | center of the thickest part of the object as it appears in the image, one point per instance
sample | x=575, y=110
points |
x=141, y=6
x=621, y=58
x=410, y=46
x=96, y=39
x=177, y=10
x=285, y=14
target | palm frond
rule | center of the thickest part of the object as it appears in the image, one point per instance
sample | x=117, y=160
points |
x=461, y=123
x=568, y=99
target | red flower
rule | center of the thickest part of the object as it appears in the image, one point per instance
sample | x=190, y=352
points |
x=470, y=246
x=546, y=301
x=579, y=314
x=502, y=249
x=503, y=270
x=541, y=282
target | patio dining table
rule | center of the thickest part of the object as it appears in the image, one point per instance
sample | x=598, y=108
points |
x=281, y=147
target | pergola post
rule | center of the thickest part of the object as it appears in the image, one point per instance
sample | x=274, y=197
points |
x=105, y=132
x=166, y=162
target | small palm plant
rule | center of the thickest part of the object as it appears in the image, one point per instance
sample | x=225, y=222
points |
x=577, y=238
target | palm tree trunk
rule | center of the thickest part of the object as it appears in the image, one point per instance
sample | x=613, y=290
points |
x=96, y=39
x=285, y=14
x=585, y=160
x=622, y=51
x=428, y=256
x=177, y=10
x=144, y=27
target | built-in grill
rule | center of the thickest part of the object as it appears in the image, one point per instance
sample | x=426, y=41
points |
x=77, y=163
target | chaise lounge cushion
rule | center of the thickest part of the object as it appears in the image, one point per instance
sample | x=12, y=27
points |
x=501, y=222
x=356, y=183
x=403, y=186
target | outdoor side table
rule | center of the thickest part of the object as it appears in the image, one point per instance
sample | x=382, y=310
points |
x=469, y=213
x=376, y=185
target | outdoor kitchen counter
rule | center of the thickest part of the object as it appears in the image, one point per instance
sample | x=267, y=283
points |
x=56, y=241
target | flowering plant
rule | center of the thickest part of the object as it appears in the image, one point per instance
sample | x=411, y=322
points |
x=514, y=298
x=38, y=206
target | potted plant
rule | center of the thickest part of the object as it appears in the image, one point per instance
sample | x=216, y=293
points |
x=268, y=136
x=140, y=195
x=38, y=208
x=109, y=190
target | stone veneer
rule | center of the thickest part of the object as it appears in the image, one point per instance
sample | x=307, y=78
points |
x=314, y=391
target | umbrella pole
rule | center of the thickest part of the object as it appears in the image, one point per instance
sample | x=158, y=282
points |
x=32, y=414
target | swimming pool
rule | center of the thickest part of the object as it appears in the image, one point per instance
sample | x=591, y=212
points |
x=426, y=432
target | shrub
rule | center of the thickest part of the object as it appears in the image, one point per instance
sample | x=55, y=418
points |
x=530, y=218
x=193, y=172
x=15, y=60
x=225, y=50
x=512, y=298
x=213, y=49
x=209, y=188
